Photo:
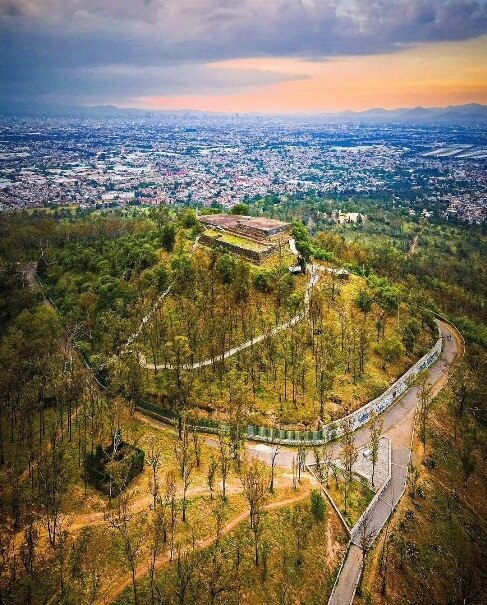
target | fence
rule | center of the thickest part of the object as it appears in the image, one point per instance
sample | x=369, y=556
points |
x=331, y=431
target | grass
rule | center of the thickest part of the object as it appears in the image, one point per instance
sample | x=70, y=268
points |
x=359, y=496
x=303, y=571
x=237, y=240
x=438, y=535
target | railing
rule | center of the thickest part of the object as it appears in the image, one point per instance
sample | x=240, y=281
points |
x=331, y=431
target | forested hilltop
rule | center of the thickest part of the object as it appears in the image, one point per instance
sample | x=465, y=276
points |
x=103, y=313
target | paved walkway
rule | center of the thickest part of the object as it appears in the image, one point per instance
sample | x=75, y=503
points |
x=398, y=426
x=363, y=466
x=314, y=276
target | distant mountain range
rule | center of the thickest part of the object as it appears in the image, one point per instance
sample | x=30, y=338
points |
x=470, y=114
x=473, y=112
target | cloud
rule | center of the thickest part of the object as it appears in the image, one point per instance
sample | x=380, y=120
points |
x=136, y=47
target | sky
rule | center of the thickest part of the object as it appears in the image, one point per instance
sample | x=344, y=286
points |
x=244, y=55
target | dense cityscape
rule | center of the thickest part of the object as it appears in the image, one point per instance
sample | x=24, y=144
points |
x=222, y=161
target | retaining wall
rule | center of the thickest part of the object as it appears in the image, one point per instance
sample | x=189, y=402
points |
x=256, y=256
x=332, y=430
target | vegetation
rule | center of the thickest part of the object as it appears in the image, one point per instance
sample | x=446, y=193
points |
x=188, y=518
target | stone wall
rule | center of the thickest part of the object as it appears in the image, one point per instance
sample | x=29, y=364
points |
x=256, y=256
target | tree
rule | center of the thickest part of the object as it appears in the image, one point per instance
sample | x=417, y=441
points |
x=157, y=542
x=390, y=349
x=425, y=396
x=254, y=476
x=349, y=451
x=153, y=459
x=224, y=461
x=366, y=536
x=170, y=503
x=318, y=506
x=303, y=244
x=187, y=462
x=375, y=433
x=88, y=562
x=241, y=283
x=238, y=411
x=132, y=538
x=227, y=268
x=410, y=333
x=187, y=564
x=241, y=209
x=52, y=485
x=467, y=459
x=274, y=454
x=212, y=468
x=189, y=218
x=168, y=237
x=301, y=523
x=348, y=456
x=364, y=302
x=461, y=386
x=180, y=381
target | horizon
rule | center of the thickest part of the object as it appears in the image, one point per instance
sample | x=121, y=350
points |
x=287, y=57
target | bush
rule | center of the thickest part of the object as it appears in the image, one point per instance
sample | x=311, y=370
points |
x=110, y=472
x=318, y=506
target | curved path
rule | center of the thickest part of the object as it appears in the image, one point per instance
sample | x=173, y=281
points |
x=314, y=276
x=399, y=427
x=142, y=568
x=145, y=319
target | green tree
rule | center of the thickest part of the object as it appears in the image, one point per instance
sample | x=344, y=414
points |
x=168, y=237
x=390, y=349
x=318, y=506
x=227, y=267
x=241, y=209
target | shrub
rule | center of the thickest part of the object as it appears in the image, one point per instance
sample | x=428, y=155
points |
x=318, y=506
x=111, y=472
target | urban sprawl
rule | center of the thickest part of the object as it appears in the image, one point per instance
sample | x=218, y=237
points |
x=207, y=161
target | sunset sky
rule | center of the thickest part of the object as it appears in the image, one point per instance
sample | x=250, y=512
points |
x=244, y=55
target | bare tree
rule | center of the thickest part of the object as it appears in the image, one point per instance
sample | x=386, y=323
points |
x=425, y=404
x=212, y=468
x=132, y=538
x=275, y=451
x=196, y=446
x=28, y=552
x=187, y=565
x=385, y=558
x=187, y=463
x=366, y=536
x=157, y=541
x=224, y=462
x=170, y=503
x=153, y=459
x=255, y=480
x=52, y=485
x=348, y=456
x=349, y=451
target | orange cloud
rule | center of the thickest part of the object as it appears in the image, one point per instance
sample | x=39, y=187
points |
x=430, y=74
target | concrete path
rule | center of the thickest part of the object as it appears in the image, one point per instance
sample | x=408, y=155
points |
x=145, y=319
x=398, y=426
x=314, y=276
